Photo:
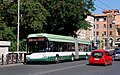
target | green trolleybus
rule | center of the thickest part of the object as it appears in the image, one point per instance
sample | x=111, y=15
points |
x=50, y=47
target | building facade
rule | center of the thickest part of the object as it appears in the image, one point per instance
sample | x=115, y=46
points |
x=117, y=24
x=106, y=26
x=87, y=34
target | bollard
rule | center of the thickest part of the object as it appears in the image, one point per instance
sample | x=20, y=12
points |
x=24, y=62
x=20, y=57
x=16, y=58
x=12, y=58
x=2, y=59
x=7, y=58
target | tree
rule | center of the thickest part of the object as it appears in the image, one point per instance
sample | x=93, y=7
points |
x=6, y=26
x=33, y=16
x=32, y=19
x=67, y=16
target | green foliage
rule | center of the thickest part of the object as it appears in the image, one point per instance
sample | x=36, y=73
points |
x=33, y=16
x=67, y=16
x=23, y=45
x=13, y=46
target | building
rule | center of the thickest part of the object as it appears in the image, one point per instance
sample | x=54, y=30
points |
x=4, y=47
x=87, y=34
x=117, y=24
x=106, y=25
x=105, y=28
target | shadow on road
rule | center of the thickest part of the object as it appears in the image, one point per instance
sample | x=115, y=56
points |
x=49, y=62
x=102, y=65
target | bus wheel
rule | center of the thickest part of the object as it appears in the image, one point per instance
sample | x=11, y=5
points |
x=72, y=57
x=57, y=60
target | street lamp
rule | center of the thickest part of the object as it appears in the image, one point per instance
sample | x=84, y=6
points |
x=18, y=25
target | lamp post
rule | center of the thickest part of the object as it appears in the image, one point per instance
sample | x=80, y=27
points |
x=18, y=25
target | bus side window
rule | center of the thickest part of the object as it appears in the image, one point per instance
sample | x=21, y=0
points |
x=51, y=46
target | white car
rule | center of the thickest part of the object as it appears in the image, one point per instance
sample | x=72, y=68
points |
x=117, y=54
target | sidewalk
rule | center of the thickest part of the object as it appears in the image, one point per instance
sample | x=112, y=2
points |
x=9, y=65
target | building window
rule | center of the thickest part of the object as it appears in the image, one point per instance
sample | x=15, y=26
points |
x=97, y=26
x=104, y=32
x=104, y=18
x=110, y=25
x=94, y=26
x=94, y=33
x=97, y=19
x=101, y=19
x=97, y=33
x=104, y=25
x=110, y=32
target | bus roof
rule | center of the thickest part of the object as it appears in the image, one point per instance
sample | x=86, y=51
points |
x=59, y=38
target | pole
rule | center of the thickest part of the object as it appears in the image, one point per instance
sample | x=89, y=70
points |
x=95, y=35
x=2, y=59
x=18, y=25
x=76, y=49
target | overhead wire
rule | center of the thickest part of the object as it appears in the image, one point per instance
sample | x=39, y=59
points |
x=105, y=4
x=102, y=7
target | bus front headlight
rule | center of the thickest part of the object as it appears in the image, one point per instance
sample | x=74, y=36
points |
x=28, y=58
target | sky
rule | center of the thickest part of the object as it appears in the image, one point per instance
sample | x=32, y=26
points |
x=101, y=5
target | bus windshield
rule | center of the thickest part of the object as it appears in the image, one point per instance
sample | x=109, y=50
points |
x=38, y=46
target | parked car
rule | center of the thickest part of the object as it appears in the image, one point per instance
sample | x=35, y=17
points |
x=112, y=53
x=117, y=54
x=100, y=57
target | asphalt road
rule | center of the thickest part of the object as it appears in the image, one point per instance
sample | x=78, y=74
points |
x=65, y=68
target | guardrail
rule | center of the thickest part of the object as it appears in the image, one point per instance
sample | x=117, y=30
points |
x=12, y=58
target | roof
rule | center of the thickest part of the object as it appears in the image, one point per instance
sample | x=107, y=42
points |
x=100, y=15
x=58, y=38
x=5, y=43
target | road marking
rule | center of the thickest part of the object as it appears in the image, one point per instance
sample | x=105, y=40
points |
x=54, y=70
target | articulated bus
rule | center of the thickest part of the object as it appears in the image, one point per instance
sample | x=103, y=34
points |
x=50, y=47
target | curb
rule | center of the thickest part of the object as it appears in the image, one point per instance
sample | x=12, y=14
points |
x=9, y=65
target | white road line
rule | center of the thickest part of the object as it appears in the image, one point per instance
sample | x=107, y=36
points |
x=54, y=70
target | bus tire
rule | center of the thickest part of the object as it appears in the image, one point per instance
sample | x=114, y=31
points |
x=72, y=57
x=57, y=59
